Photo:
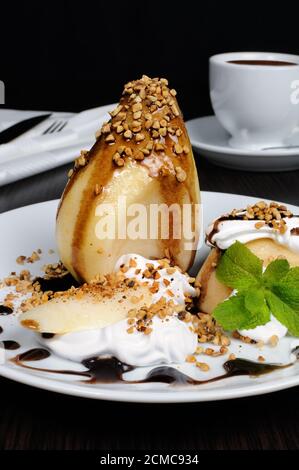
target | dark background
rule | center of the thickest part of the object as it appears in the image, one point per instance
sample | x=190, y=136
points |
x=70, y=55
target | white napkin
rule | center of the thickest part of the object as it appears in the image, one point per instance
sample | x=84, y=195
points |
x=33, y=152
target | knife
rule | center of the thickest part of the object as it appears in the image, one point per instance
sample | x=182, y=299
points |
x=20, y=128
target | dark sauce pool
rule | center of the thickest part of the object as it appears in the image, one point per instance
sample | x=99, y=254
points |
x=4, y=310
x=57, y=284
x=10, y=344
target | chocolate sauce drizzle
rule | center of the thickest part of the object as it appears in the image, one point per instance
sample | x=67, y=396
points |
x=47, y=335
x=57, y=284
x=215, y=229
x=4, y=310
x=10, y=344
x=36, y=354
x=111, y=370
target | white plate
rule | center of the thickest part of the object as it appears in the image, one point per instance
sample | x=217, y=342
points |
x=210, y=139
x=26, y=229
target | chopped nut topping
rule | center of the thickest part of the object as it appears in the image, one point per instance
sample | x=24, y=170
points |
x=118, y=159
x=147, y=113
x=98, y=189
x=244, y=339
x=203, y=366
x=159, y=147
x=139, y=155
x=259, y=225
x=137, y=115
x=128, y=134
x=273, y=215
x=106, y=128
x=178, y=149
x=136, y=107
x=190, y=359
x=29, y=259
x=273, y=341
x=139, y=137
x=180, y=174
x=116, y=111
x=128, y=152
x=121, y=149
x=110, y=139
x=175, y=110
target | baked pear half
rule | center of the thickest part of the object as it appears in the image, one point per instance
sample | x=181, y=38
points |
x=270, y=231
x=142, y=161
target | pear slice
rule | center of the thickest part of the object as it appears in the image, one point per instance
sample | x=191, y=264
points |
x=212, y=292
x=143, y=154
x=84, y=309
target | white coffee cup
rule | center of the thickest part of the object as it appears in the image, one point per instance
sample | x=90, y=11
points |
x=257, y=104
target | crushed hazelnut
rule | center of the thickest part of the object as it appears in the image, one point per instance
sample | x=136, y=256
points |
x=180, y=174
x=128, y=134
x=110, y=139
x=203, y=366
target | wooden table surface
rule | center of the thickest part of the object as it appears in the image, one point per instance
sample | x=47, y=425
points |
x=36, y=419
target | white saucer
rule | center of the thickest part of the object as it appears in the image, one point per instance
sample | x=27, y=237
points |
x=210, y=139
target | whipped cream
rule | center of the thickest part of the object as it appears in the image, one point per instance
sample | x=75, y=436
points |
x=265, y=332
x=244, y=231
x=178, y=281
x=170, y=341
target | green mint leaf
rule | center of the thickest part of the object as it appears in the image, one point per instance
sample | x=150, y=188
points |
x=255, y=302
x=275, y=272
x=239, y=268
x=287, y=289
x=283, y=312
x=232, y=314
x=258, y=294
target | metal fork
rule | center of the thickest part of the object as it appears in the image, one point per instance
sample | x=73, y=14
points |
x=56, y=126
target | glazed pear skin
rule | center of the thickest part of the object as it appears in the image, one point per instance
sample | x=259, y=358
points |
x=214, y=292
x=143, y=154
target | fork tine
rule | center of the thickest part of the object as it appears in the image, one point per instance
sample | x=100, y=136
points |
x=50, y=127
x=55, y=128
x=63, y=124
